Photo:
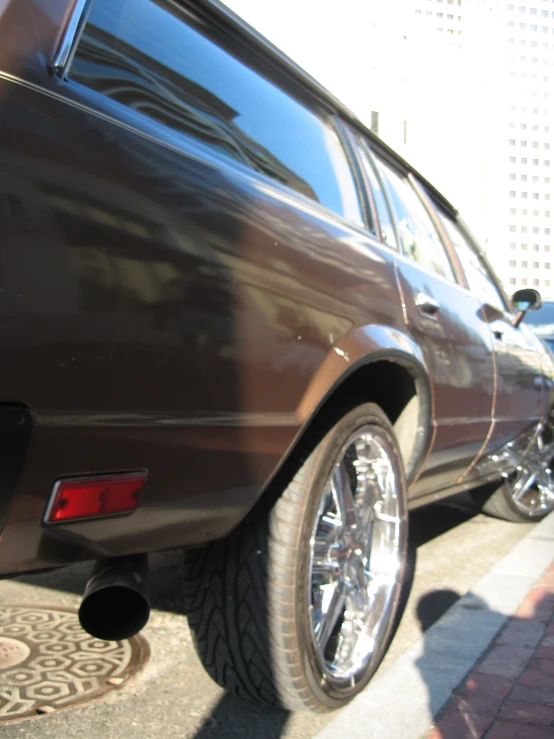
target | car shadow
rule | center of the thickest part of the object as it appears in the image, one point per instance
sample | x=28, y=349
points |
x=228, y=719
x=473, y=709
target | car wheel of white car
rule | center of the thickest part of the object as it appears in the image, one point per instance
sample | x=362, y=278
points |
x=297, y=605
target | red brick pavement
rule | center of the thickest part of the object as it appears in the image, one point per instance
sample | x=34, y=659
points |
x=510, y=692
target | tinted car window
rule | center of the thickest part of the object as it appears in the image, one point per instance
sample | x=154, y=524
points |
x=418, y=236
x=478, y=277
x=385, y=220
x=151, y=56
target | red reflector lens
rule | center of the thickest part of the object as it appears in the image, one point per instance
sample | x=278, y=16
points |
x=95, y=496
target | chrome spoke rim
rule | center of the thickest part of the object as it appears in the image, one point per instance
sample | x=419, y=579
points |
x=531, y=486
x=357, y=550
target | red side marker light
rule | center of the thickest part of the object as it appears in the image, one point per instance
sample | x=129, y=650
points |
x=94, y=497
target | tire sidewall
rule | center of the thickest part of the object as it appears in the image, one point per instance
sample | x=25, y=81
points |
x=321, y=465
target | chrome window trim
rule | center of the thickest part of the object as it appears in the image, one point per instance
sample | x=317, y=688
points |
x=69, y=38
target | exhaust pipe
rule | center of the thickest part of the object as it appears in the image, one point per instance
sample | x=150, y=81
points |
x=116, y=602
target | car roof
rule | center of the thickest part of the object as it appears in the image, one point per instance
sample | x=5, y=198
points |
x=271, y=53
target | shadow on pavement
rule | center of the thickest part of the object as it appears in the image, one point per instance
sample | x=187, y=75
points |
x=476, y=702
x=229, y=719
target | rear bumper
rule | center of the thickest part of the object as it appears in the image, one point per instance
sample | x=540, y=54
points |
x=203, y=477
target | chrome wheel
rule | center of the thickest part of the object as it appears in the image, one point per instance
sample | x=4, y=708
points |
x=531, y=486
x=357, y=552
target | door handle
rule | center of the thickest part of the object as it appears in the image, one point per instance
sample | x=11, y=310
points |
x=498, y=334
x=427, y=305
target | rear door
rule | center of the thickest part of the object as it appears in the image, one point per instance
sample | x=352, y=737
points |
x=443, y=316
x=518, y=371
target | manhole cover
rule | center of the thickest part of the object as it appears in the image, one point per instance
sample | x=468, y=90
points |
x=48, y=662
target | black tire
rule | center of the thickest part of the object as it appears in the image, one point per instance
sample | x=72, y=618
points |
x=500, y=504
x=536, y=498
x=247, y=595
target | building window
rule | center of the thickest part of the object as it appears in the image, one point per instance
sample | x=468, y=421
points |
x=524, y=281
x=535, y=282
x=535, y=265
x=512, y=229
x=512, y=280
x=535, y=247
x=524, y=247
x=547, y=265
x=547, y=283
x=512, y=245
x=547, y=247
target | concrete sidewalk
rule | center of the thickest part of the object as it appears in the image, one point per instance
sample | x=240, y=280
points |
x=510, y=692
x=485, y=669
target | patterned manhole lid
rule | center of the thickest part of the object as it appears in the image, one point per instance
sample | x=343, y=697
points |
x=47, y=661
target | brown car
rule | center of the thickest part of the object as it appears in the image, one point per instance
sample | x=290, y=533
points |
x=234, y=321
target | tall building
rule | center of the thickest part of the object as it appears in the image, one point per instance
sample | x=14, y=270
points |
x=527, y=146
x=462, y=88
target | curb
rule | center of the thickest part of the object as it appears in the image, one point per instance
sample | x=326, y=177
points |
x=403, y=702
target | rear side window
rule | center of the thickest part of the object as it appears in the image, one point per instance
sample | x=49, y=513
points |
x=479, y=279
x=418, y=234
x=385, y=220
x=159, y=60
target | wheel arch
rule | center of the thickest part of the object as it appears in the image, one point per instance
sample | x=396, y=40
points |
x=381, y=365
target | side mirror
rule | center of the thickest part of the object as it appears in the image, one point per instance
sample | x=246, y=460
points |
x=524, y=300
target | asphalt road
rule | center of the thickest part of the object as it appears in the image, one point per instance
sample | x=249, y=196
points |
x=452, y=547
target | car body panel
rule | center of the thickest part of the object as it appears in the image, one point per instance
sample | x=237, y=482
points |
x=195, y=315
x=457, y=349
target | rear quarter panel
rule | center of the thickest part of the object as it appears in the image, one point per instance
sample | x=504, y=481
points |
x=159, y=309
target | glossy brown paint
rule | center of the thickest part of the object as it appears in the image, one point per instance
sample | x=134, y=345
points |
x=161, y=310
x=174, y=317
